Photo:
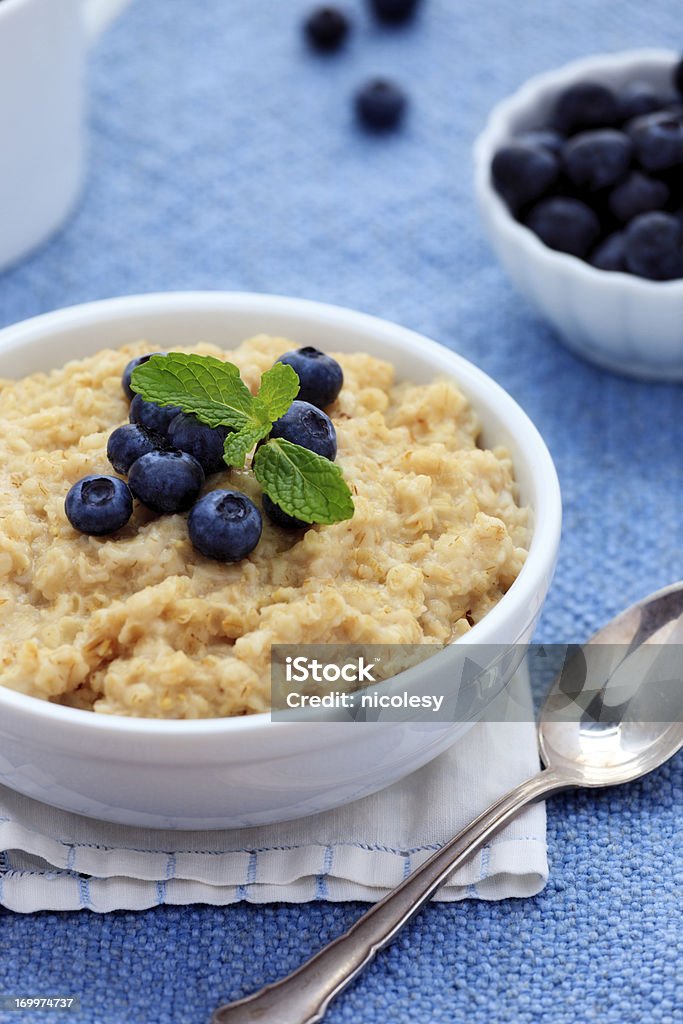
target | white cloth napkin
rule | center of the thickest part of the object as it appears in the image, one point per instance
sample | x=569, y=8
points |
x=54, y=860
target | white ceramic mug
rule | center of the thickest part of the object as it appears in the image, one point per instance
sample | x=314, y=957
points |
x=43, y=48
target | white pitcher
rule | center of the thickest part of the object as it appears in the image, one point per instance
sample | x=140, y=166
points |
x=43, y=49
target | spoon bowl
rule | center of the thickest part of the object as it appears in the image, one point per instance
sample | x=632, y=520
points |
x=615, y=710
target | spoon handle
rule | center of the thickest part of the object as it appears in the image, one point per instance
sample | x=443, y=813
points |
x=303, y=996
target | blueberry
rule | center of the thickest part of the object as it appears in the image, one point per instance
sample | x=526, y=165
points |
x=99, y=505
x=638, y=98
x=522, y=173
x=394, y=10
x=380, y=104
x=654, y=246
x=130, y=442
x=658, y=140
x=205, y=443
x=542, y=137
x=585, y=105
x=128, y=372
x=306, y=425
x=610, y=254
x=280, y=518
x=320, y=376
x=565, y=224
x=678, y=75
x=154, y=417
x=326, y=28
x=638, y=193
x=166, y=481
x=597, y=159
x=225, y=525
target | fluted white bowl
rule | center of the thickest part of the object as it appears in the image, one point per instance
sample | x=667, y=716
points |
x=621, y=322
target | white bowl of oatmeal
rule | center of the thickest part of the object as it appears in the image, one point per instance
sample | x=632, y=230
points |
x=134, y=672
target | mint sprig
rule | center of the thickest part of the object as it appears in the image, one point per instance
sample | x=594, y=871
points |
x=304, y=485
x=216, y=394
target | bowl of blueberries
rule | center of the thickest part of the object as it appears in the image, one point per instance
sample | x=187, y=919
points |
x=579, y=179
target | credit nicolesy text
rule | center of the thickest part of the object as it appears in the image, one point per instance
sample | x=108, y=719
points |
x=341, y=699
x=302, y=669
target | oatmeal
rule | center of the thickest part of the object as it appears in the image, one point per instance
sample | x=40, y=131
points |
x=142, y=624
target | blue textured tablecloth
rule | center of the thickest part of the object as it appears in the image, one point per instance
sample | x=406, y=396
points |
x=224, y=155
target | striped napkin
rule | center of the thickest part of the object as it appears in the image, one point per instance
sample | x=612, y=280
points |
x=54, y=860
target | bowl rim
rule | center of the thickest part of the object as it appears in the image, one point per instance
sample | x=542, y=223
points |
x=498, y=129
x=548, y=512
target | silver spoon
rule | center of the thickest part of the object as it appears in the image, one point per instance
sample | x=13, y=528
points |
x=614, y=713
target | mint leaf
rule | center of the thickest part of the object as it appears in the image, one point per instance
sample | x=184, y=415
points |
x=210, y=388
x=279, y=387
x=238, y=445
x=303, y=484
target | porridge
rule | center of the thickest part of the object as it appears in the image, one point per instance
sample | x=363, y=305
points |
x=142, y=624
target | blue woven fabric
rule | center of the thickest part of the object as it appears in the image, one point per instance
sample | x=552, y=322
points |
x=224, y=155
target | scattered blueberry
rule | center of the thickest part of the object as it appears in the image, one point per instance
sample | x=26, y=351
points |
x=638, y=193
x=326, y=28
x=128, y=372
x=306, y=425
x=131, y=442
x=597, y=159
x=654, y=246
x=585, y=105
x=154, y=417
x=205, y=443
x=225, y=525
x=542, y=137
x=565, y=224
x=638, y=98
x=394, y=10
x=280, y=518
x=320, y=376
x=99, y=505
x=522, y=173
x=166, y=481
x=380, y=104
x=658, y=140
x=610, y=254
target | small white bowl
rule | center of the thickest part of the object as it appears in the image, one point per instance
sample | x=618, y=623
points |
x=621, y=322
x=235, y=772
